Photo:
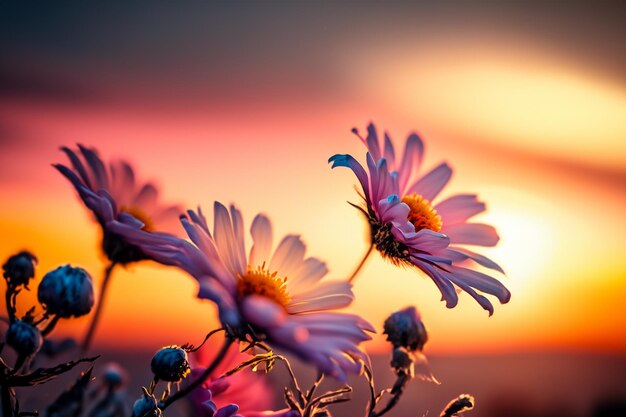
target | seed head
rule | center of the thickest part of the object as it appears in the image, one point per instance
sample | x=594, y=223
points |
x=66, y=292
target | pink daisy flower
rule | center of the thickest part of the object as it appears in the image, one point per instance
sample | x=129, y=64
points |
x=409, y=227
x=277, y=296
x=245, y=393
x=113, y=193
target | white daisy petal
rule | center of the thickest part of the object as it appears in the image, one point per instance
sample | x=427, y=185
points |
x=288, y=256
x=261, y=231
x=310, y=271
x=225, y=240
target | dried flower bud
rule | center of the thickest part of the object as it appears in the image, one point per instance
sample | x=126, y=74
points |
x=401, y=360
x=461, y=404
x=114, y=375
x=24, y=338
x=170, y=364
x=66, y=292
x=146, y=406
x=405, y=329
x=19, y=269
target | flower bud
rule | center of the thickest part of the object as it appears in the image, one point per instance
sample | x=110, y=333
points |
x=114, y=375
x=19, y=269
x=170, y=364
x=66, y=292
x=146, y=406
x=404, y=328
x=24, y=338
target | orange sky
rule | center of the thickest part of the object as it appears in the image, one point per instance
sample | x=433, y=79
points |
x=538, y=135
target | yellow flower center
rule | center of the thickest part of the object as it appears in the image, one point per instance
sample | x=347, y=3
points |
x=423, y=215
x=260, y=281
x=140, y=215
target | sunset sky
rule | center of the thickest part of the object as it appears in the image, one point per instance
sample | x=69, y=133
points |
x=245, y=104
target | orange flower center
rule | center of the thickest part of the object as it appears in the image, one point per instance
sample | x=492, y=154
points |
x=261, y=281
x=140, y=215
x=423, y=215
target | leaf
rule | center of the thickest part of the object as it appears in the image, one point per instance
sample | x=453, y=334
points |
x=70, y=402
x=41, y=375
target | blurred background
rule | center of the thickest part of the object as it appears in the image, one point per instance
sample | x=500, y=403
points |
x=245, y=102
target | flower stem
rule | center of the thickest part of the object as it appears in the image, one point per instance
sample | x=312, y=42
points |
x=396, y=391
x=7, y=401
x=318, y=381
x=358, y=268
x=96, y=317
x=198, y=382
x=50, y=326
x=9, y=302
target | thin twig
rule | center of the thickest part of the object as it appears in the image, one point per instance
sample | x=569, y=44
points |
x=373, y=398
x=294, y=381
x=50, y=326
x=358, y=268
x=316, y=384
x=192, y=348
x=7, y=401
x=9, y=304
x=94, y=321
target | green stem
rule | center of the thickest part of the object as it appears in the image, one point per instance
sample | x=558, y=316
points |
x=96, y=317
x=358, y=268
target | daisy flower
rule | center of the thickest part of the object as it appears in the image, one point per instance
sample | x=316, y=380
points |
x=112, y=193
x=409, y=226
x=245, y=393
x=276, y=296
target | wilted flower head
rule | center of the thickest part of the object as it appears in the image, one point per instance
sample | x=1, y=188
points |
x=170, y=364
x=277, y=297
x=19, y=269
x=66, y=292
x=146, y=406
x=408, y=227
x=407, y=334
x=24, y=337
x=112, y=193
x=405, y=329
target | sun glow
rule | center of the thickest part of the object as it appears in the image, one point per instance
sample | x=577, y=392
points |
x=526, y=100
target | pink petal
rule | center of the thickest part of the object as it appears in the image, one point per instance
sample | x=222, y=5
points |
x=432, y=183
x=472, y=234
x=411, y=159
x=288, y=256
x=459, y=208
x=263, y=312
